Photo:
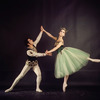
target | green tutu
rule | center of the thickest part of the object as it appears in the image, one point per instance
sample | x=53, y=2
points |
x=69, y=60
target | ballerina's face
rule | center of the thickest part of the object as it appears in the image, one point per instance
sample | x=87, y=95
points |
x=62, y=33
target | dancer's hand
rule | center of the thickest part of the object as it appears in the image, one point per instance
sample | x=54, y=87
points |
x=42, y=29
x=47, y=53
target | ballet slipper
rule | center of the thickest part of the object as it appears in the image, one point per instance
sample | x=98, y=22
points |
x=8, y=90
x=38, y=90
x=64, y=87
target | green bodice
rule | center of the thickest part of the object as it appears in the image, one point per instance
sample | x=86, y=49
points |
x=59, y=49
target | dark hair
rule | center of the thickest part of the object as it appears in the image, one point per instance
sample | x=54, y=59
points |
x=63, y=28
x=26, y=37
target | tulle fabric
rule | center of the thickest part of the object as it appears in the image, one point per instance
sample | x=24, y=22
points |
x=69, y=60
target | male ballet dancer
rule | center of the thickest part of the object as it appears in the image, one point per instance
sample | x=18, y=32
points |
x=31, y=62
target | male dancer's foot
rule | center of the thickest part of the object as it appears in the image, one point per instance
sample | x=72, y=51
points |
x=8, y=90
x=64, y=87
x=38, y=90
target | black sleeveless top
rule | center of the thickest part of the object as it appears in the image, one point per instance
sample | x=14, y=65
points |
x=30, y=58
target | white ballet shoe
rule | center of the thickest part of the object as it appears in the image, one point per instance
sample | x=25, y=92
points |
x=8, y=90
x=38, y=90
x=64, y=87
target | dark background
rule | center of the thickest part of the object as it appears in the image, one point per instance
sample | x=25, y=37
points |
x=19, y=19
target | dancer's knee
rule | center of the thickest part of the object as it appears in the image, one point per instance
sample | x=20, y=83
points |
x=39, y=76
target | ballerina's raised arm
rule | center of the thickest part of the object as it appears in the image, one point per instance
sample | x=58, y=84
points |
x=50, y=35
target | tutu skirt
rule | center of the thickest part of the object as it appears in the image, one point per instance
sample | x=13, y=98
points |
x=69, y=60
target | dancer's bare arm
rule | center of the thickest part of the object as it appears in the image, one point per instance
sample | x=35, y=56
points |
x=50, y=35
x=55, y=48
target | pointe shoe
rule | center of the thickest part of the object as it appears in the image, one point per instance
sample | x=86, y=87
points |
x=8, y=90
x=38, y=90
x=64, y=87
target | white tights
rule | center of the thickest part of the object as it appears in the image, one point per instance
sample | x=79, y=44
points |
x=26, y=68
x=67, y=76
x=94, y=60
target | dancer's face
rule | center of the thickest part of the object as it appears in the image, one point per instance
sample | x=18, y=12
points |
x=30, y=41
x=62, y=33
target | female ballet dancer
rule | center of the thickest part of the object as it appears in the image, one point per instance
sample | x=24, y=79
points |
x=68, y=60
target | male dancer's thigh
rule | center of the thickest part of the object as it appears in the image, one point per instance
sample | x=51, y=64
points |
x=25, y=69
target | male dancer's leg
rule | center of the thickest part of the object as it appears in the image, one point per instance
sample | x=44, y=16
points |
x=19, y=77
x=37, y=71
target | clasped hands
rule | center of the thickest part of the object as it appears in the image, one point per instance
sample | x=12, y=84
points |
x=47, y=53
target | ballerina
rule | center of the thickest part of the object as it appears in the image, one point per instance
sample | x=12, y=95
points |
x=68, y=60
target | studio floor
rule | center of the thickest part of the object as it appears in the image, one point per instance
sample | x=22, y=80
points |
x=72, y=93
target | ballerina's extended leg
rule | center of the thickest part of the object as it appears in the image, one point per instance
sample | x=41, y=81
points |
x=94, y=60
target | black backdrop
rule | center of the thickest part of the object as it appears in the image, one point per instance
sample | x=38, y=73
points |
x=19, y=19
